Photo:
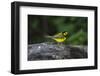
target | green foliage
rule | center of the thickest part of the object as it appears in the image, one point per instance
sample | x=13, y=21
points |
x=39, y=26
x=78, y=38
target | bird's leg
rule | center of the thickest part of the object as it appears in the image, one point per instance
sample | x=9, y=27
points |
x=60, y=44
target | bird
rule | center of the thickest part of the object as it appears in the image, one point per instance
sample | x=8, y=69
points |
x=59, y=37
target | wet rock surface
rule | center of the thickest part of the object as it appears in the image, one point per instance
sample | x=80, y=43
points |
x=46, y=51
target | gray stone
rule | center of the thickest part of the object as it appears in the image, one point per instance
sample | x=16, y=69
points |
x=47, y=51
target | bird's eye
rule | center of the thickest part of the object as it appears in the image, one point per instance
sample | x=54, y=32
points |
x=65, y=33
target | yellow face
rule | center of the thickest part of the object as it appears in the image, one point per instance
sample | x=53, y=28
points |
x=65, y=33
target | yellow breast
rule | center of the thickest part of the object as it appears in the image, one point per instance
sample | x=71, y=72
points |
x=60, y=39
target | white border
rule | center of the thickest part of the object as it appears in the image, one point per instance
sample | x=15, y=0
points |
x=26, y=65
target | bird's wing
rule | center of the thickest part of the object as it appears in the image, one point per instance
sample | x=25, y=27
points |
x=59, y=35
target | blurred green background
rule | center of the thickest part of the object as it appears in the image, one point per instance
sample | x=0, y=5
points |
x=39, y=26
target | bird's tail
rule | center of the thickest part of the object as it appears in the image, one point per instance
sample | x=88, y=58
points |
x=48, y=37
